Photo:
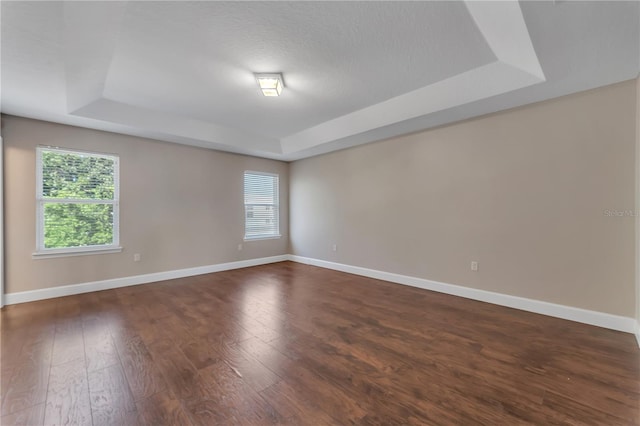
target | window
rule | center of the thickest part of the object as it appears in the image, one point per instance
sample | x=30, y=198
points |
x=261, y=200
x=77, y=201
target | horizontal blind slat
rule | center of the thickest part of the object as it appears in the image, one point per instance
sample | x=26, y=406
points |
x=78, y=176
x=261, y=199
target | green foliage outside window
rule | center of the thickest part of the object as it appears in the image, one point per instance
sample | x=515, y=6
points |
x=77, y=179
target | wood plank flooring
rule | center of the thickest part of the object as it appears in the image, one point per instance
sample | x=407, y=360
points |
x=295, y=344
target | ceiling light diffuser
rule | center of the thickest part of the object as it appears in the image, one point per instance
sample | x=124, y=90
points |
x=270, y=84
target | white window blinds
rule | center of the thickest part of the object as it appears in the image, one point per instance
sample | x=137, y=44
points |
x=261, y=201
x=77, y=200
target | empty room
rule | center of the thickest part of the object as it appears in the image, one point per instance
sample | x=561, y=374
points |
x=320, y=213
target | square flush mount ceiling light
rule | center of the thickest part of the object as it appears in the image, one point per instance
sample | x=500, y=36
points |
x=270, y=84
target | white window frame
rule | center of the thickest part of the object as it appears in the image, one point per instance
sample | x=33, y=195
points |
x=277, y=204
x=114, y=247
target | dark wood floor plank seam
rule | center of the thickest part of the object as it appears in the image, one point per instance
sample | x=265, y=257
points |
x=7, y=387
x=296, y=344
x=68, y=402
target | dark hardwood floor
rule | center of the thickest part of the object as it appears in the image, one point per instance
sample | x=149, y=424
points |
x=295, y=344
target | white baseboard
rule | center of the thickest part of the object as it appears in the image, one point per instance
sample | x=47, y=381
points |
x=68, y=290
x=600, y=319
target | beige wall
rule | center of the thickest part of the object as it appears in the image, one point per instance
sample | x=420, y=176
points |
x=524, y=192
x=181, y=206
x=1, y=221
x=638, y=205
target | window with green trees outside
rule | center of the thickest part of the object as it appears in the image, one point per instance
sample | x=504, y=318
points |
x=77, y=201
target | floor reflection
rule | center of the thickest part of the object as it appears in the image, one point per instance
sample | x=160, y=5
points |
x=262, y=310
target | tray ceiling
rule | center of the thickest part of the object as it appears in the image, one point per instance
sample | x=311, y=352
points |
x=355, y=72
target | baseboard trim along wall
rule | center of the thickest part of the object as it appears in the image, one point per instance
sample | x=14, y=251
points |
x=68, y=290
x=600, y=319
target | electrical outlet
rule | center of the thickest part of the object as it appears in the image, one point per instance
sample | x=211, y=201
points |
x=239, y=247
x=334, y=247
x=136, y=257
x=474, y=266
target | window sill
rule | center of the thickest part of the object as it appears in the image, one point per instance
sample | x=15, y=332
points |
x=270, y=237
x=70, y=253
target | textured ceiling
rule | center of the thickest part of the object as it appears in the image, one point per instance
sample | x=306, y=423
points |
x=334, y=57
x=354, y=72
